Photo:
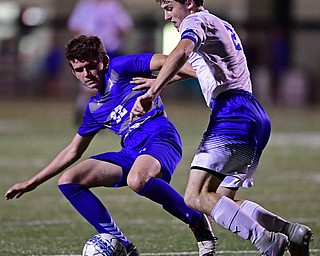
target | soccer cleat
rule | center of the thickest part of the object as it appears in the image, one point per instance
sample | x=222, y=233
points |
x=132, y=250
x=204, y=235
x=300, y=237
x=279, y=244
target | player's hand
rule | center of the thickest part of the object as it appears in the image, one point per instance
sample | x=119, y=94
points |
x=142, y=83
x=142, y=105
x=19, y=189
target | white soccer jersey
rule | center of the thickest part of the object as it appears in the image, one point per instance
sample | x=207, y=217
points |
x=218, y=58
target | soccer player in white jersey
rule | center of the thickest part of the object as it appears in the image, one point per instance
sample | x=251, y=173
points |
x=151, y=145
x=239, y=129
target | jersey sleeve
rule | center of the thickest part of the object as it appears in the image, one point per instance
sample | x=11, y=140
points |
x=133, y=65
x=89, y=125
x=192, y=28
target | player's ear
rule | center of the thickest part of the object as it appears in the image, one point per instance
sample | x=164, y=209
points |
x=105, y=61
x=190, y=5
x=72, y=69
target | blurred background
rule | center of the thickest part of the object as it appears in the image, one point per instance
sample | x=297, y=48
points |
x=39, y=100
x=281, y=40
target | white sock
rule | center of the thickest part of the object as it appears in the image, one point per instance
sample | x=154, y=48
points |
x=229, y=215
x=266, y=219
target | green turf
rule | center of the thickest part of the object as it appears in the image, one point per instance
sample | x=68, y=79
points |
x=42, y=222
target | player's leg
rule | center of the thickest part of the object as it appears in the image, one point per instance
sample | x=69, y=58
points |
x=74, y=185
x=200, y=194
x=268, y=220
x=299, y=235
x=158, y=151
x=145, y=178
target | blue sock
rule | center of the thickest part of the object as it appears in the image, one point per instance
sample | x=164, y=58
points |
x=162, y=193
x=91, y=208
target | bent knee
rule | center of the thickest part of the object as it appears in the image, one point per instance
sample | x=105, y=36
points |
x=192, y=201
x=66, y=178
x=135, y=182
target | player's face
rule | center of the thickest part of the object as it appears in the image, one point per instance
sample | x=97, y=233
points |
x=90, y=72
x=175, y=12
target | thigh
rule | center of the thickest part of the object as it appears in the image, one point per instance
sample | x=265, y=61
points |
x=123, y=158
x=93, y=173
x=201, y=191
x=201, y=181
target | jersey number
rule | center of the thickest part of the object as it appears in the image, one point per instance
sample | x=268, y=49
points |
x=118, y=113
x=234, y=38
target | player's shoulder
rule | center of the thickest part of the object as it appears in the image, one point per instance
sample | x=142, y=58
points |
x=195, y=21
x=129, y=59
x=119, y=62
x=202, y=17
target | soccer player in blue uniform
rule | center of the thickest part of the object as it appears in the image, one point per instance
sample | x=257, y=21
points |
x=238, y=131
x=151, y=146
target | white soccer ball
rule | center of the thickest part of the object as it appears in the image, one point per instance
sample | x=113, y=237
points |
x=104, y=244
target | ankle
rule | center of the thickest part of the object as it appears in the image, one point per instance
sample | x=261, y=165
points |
x=263, y=242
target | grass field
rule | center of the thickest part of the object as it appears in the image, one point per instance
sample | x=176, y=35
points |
x=44, y=223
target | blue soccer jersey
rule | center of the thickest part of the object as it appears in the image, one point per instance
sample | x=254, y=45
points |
x=110, y=108
x=152, y=134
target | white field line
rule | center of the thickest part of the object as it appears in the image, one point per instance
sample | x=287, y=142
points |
x=298, y=139
x=218, y=253
x=315, y=251
x=225, y=252
x=277, y=139
x=12, y=126
x=36, y=223
x=132, y=222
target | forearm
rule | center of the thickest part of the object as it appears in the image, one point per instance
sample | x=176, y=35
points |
x=169, y=71
x=62, y=161
x=179, y=77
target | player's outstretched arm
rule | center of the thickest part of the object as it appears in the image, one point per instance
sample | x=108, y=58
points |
x=64, y=159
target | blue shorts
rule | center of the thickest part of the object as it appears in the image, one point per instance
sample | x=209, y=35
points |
x=158, y=138
x=238, y=131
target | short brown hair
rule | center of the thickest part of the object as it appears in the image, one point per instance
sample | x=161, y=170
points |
x=84, y=48
x=197, y=2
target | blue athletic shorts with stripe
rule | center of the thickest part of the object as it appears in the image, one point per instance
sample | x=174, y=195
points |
x=157, y=137
x=238, y=131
